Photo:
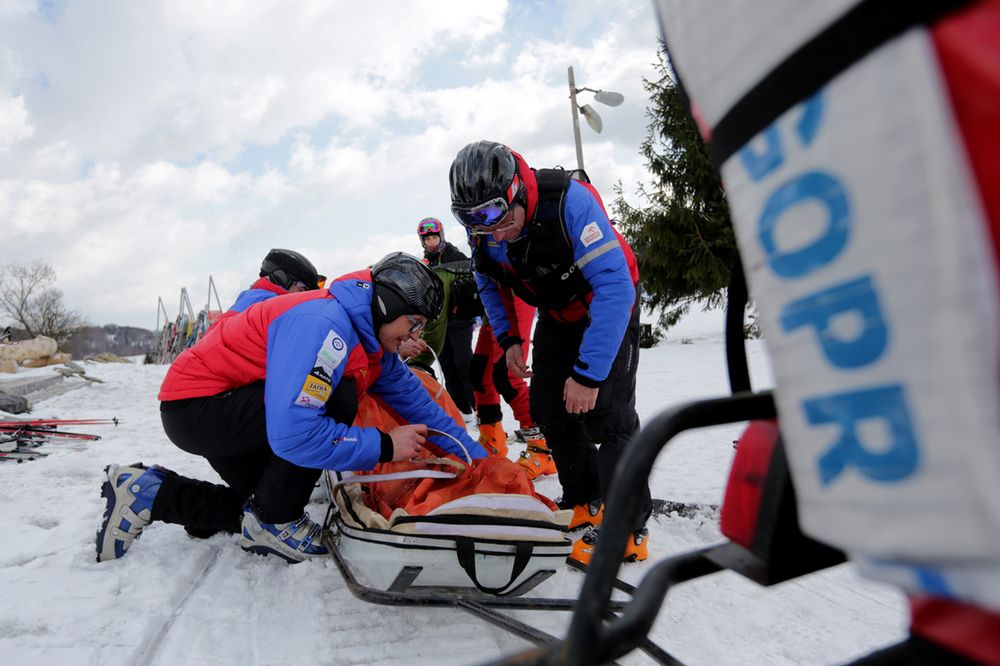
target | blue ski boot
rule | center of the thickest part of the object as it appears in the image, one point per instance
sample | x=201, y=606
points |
x=129, y=492
x=294, y=541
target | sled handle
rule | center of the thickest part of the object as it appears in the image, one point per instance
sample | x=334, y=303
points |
x=468, y=458
x=466, y=551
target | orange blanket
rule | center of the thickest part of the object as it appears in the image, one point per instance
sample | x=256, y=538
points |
x=420, y=496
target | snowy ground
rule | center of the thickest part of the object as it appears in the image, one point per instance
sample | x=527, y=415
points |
x=176, y=600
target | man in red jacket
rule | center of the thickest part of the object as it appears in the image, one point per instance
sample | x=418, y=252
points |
x=268, y=397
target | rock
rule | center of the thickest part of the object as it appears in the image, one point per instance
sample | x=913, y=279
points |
x=7, y=365
x=13, y=404
x=23, y=350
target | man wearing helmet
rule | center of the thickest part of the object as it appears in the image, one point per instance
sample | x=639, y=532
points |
x=456, y=353
x=547, y=238
x=281, y=272
x=268, y=397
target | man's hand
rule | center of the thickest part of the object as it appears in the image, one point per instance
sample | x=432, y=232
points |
x=410, y=347
x=515, y=362
x=579, y=399
x=407, y=441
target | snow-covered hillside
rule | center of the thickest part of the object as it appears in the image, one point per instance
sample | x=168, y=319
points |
x=175, y=600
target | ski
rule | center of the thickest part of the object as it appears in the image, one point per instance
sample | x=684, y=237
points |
x=21, y=455
x=55, y=422
x=46, y=433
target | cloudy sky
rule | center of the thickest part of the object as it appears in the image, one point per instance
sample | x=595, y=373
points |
x=147, y=145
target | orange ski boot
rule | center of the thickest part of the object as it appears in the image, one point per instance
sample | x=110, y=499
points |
x=537, y=458
x=588, y=514
x=636, y=548
x=493, y=439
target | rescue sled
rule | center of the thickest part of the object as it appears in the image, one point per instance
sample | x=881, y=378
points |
x=492, y=544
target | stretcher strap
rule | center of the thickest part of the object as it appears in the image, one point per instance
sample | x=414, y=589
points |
x=867, y=26
x=466, y=551
x=407, y=474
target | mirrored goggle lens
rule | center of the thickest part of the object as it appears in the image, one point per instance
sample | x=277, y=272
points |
x=429, y=228
x=321, y=282
x=485, y=215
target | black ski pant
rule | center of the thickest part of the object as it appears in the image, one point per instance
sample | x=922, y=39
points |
x=585, y=447
x=456, y=357
x=229, y=430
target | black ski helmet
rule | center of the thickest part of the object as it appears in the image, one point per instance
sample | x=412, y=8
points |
x=286, y=267
x=402, y=284
x=482, y=171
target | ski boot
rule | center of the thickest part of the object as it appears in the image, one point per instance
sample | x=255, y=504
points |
x=588, y=514
x=493, y=439
x=537, y=458
x=294, y=541
x=636, y=548
x=129, y=492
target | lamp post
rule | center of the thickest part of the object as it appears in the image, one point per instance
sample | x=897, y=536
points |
x=603, y=96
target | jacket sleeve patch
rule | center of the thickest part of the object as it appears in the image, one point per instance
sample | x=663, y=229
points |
x=315, y=392
x=591, y=234
x=318, y=386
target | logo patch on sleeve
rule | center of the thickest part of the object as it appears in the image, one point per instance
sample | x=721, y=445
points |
x=315, y=393
x=332, y=352
x=591, y=234
x=317, y=387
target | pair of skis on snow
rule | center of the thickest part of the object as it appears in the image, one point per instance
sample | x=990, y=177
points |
x=27, y=435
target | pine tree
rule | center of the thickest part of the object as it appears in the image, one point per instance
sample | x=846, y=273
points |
x=683, y=239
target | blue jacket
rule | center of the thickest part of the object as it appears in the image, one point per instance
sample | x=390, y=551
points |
x=606, y=263
x=303, y=345
x=261, y=290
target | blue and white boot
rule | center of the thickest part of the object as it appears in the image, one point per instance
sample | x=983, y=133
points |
x=294, y=541
x=129, y=492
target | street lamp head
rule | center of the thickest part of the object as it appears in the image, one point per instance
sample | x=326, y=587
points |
x=593, y=119
x=609, y=97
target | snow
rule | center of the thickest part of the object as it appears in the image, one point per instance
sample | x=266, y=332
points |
x=174, y=599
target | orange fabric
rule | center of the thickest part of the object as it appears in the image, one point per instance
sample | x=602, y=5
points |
x=420, y=496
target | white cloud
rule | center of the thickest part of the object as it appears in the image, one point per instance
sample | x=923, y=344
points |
x=14, y=123
x=149, y=145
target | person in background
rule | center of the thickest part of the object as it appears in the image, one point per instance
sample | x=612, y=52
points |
x=492, y=380
x=268, y=397
x=281, y=272
x=546, y=237
x=456, y=353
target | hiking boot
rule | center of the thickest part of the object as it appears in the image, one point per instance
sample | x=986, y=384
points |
x=129, y=492
x=294, y=541
x=537, y=458
x=588, y=514
x=493, y=439
x=636, y=548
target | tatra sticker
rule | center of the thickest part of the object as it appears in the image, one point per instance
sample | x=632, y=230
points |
x=315, y=392
x=591, y=234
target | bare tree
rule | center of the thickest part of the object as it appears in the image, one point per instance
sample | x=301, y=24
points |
x=26, y=298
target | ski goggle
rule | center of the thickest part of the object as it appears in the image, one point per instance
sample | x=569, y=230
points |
x=481, y=216
x=319, y=284
x=430, y=226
